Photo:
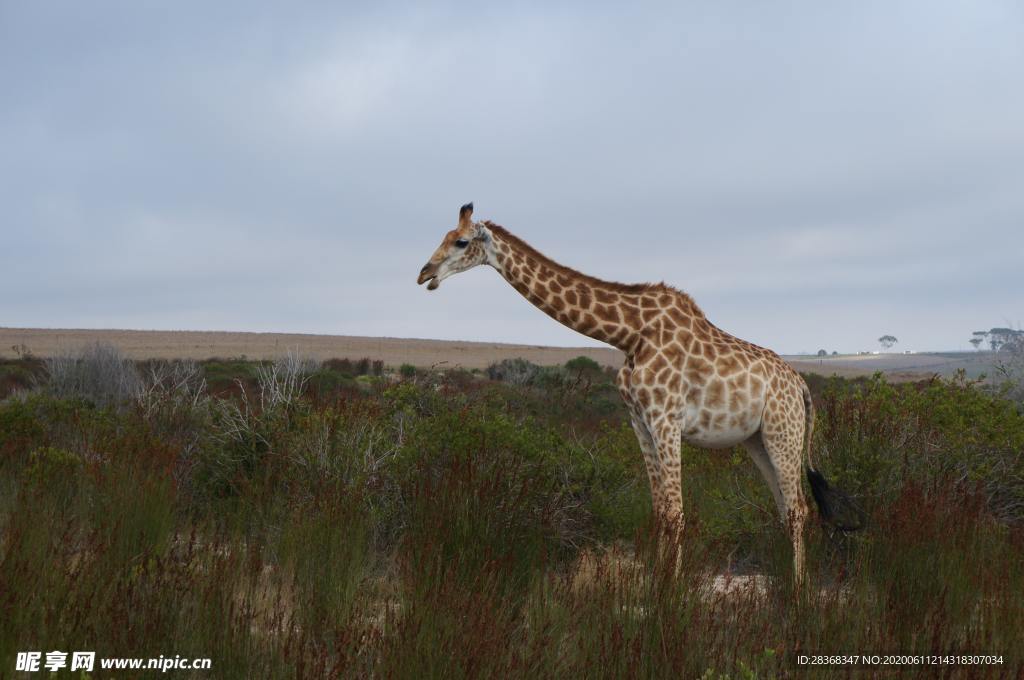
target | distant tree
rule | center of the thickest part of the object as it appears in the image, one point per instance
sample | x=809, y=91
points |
x=822, y=353
x=582, y=365
x=835, y=353
x=1004, y=338
x=887, y=341
x=998, y=338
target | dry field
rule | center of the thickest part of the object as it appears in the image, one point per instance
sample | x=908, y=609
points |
x=201, y=345
x=218, y=344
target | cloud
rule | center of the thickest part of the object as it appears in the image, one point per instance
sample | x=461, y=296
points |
x=814, y=174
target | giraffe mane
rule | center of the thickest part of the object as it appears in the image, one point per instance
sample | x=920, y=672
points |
x=628, y=288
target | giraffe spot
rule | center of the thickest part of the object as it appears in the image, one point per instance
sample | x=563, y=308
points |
x=737, y=400
x=644, y=354
x=665, y=299
x=714, y=395
x=649, y=314
x=571, y=297
x=684, y=338
x=630, y=315
x=606, y=312
x=648, y=302
x=757, y=387
x=677, y=315
x=705, y=420
x=658, y=363
x=588, y=323
x=728, y=365
x=709, y=351
x=585, y=300
x=697, y=369
x=555, y=286
x=563, y=280
x=557, y=304
x=718, y=422
x=675, y=382
x=605, y=297
x=664, y=334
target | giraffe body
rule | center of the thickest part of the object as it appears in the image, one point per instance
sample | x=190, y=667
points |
x=684, y=379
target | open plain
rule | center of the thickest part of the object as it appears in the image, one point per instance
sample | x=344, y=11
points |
x=424, y=353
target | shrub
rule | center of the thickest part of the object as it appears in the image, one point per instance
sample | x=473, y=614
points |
x=453, y=526
x=514, y=371
x=97, y=372
x=283, y=381
x=583, y=366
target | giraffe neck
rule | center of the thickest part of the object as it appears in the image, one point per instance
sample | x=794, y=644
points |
x=608, y=312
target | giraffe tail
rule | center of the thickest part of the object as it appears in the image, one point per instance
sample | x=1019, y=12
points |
x=836, y=508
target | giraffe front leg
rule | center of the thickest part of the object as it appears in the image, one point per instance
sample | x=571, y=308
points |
x=668, y=440
x=650, y=452
x=643, y=437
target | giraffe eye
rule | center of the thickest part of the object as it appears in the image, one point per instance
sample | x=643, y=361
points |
x=462, y=243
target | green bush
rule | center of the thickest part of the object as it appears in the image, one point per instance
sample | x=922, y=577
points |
x=583, y=366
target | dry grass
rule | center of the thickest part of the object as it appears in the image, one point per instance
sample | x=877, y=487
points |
x=199, y=345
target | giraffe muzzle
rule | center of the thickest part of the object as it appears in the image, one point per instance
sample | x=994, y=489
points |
x=428, y=273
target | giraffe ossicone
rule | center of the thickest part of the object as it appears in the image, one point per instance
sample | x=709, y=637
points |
x=684, y=379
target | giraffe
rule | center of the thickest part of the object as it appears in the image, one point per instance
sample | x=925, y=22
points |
x=683, y=379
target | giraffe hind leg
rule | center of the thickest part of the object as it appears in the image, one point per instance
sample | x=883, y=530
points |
x=755, y=448
x=785, y=453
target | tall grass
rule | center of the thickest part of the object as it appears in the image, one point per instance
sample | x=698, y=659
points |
x=451, y=526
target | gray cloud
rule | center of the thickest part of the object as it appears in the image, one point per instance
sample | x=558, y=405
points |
x=814, y=175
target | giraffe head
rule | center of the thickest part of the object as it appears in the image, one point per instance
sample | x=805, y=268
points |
x=464, y=247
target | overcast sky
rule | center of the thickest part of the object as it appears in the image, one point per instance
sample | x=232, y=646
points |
x=814, y=174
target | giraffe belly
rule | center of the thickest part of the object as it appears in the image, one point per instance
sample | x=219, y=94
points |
x=716, y=430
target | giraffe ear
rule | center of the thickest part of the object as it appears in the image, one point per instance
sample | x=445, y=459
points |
x=466, y=215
